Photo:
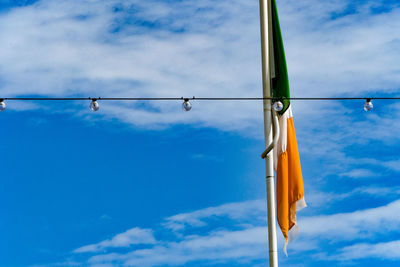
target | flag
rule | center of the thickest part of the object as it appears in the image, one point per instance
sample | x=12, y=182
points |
x=289, y=181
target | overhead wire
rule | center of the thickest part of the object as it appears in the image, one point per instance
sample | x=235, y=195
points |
x=187, y=106
x=189, y=98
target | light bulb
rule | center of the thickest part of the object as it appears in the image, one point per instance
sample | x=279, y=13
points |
x=368, y=105
x=94, y=106
x=278, y=106
x=2, y=105
x=186, y=106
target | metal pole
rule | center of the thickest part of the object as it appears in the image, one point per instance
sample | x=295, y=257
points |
x=266, y=42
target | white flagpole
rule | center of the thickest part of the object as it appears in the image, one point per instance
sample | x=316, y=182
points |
x=266, y=52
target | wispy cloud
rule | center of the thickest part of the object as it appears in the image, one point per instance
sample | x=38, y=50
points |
x=221, y=246
x=206, y=157
x=392, y=164
x=355, y=225
x=359, y=173
x=387, y=250
x=131, y=237
x=233, y=211
x=231, y=232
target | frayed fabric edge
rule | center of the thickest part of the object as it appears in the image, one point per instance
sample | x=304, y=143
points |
x=294, y=231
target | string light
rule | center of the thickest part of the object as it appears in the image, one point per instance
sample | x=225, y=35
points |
x=94, y=106
x=187, y=106
x=368, y=106
x=278, y=106
x=2, y=105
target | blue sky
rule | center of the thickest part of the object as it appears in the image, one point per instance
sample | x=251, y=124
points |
x=146, y=184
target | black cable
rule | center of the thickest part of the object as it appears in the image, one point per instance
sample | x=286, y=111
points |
x=189, y=98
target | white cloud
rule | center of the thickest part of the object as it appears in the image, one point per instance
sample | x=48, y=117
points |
x=355, y=225
x=65, y=48
x=235, y=211
x=378, y=191
x=359, y=173
x=241, y=236
x=69, y=48
x=387, y=250
x=393, y=164
x=222, y=246
x=130, y=237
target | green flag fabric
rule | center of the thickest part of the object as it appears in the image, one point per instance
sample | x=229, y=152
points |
x=280, y=81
